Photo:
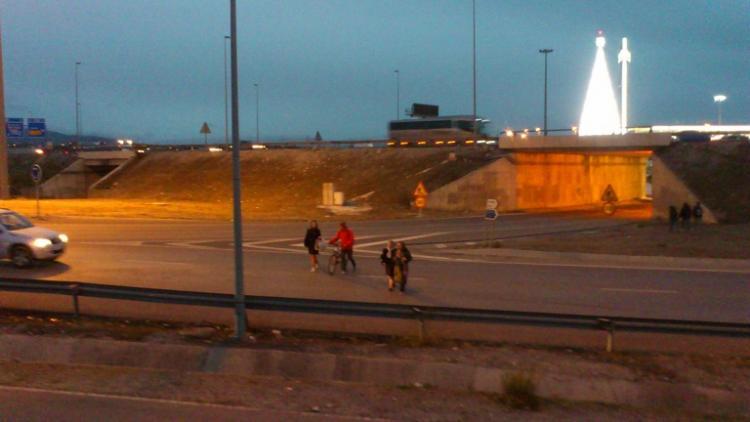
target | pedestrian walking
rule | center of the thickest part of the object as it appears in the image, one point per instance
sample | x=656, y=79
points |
x=312, y=243
x=673, y=217
x=386, y=260
x=685, y=214
x=402, y=257
x=345, y=238
x=698, y=213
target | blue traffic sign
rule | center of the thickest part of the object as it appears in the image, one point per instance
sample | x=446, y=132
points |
x=36, y=128
x=14, y=127
x=490, y=214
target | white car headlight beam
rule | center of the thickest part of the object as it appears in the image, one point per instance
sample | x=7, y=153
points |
x=41, y=243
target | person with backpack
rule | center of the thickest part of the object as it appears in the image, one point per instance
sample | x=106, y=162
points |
x=312, y=243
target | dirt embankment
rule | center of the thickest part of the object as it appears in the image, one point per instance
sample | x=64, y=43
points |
x=718, y=173
x=289, y=182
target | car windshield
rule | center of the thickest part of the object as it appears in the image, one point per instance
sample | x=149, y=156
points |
x=13, y=221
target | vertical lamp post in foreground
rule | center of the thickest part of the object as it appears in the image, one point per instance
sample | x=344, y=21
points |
x=239, y=279
x=474, y=64
x=546, y=52
x=718, y=99
x=226, y=96
x=4, y=177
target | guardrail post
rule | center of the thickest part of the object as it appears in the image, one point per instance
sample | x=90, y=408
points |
x=609, y=326
x=420, y=317
x=75, y=290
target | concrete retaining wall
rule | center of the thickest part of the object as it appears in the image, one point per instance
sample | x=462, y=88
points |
x=670, y=190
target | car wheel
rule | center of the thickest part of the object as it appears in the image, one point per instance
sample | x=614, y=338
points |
x=21, y=257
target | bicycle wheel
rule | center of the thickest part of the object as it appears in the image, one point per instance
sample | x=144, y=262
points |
x=332, y=262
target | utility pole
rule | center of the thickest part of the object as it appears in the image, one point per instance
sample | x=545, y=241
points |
x=78, y=109
x=4, y=178
x=239, y=274
x=226, y=96
x=546, y=52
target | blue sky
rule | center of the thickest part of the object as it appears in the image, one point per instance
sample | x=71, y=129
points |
x=153, y=69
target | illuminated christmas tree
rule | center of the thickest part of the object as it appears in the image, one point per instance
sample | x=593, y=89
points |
x=600, y=115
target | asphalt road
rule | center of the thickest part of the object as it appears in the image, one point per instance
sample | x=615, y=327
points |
x=197, y=255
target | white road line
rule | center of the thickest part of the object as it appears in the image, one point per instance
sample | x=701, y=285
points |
x=419, y=236
x=154, y=262
x=302, y=245
x=653, y=291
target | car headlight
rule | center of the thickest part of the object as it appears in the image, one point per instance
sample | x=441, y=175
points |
x=41, y=243
x=63, y=237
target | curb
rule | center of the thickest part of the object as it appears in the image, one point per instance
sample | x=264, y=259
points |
x=328, y=367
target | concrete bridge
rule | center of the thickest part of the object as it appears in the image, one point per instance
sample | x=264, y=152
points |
x=91, y=169
x=569, y=171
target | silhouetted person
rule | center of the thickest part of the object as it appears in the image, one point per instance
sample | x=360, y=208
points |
x=698, y=213
x=685, y=214
x=673, y=217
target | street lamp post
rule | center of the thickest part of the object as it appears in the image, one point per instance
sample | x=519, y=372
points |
x=718, y=99
x=257, y=113
x=78, y=109
x=239, y=278
x=398, y=92
x=226, y=96
x=546, y=52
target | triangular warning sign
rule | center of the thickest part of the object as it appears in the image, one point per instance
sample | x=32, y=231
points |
x=205, y=129
x=421, y=190
x=609, y=194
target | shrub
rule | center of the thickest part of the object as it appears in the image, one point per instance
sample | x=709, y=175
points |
x=519, y=392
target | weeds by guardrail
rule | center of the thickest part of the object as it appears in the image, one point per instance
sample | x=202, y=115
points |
x=607, y=323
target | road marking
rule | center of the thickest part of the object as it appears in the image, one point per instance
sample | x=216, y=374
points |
x=154, y=262
x=401, y=239
x=441, y=245
x=302, y=245
x=653, y=291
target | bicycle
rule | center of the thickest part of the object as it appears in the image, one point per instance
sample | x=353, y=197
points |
x=334, y=260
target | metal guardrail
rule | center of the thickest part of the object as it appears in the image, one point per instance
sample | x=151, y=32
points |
x=380, y=310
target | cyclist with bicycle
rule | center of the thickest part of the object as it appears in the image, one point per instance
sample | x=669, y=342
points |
x=345, y=238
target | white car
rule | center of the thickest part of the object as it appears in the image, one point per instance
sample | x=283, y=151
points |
x=23, y=243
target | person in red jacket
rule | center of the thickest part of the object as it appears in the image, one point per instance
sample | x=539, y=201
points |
x=345, y=237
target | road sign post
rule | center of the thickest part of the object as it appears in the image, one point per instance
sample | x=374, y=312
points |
x=490, y=214
x=205, y=131
x=420, y=198
x=36, y=176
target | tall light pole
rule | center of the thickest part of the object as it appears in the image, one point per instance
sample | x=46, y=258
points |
x=4, y=178
x=546, y=52
x=474, y=62
x=239, y=277
x=226, y=96
x=718, y=99
x=78, y=109
x=257, y=113
x=398, y=92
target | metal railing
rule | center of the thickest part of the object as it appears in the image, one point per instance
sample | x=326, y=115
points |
x=418, y=313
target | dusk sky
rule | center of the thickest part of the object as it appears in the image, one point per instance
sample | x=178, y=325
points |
x=152, y=70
